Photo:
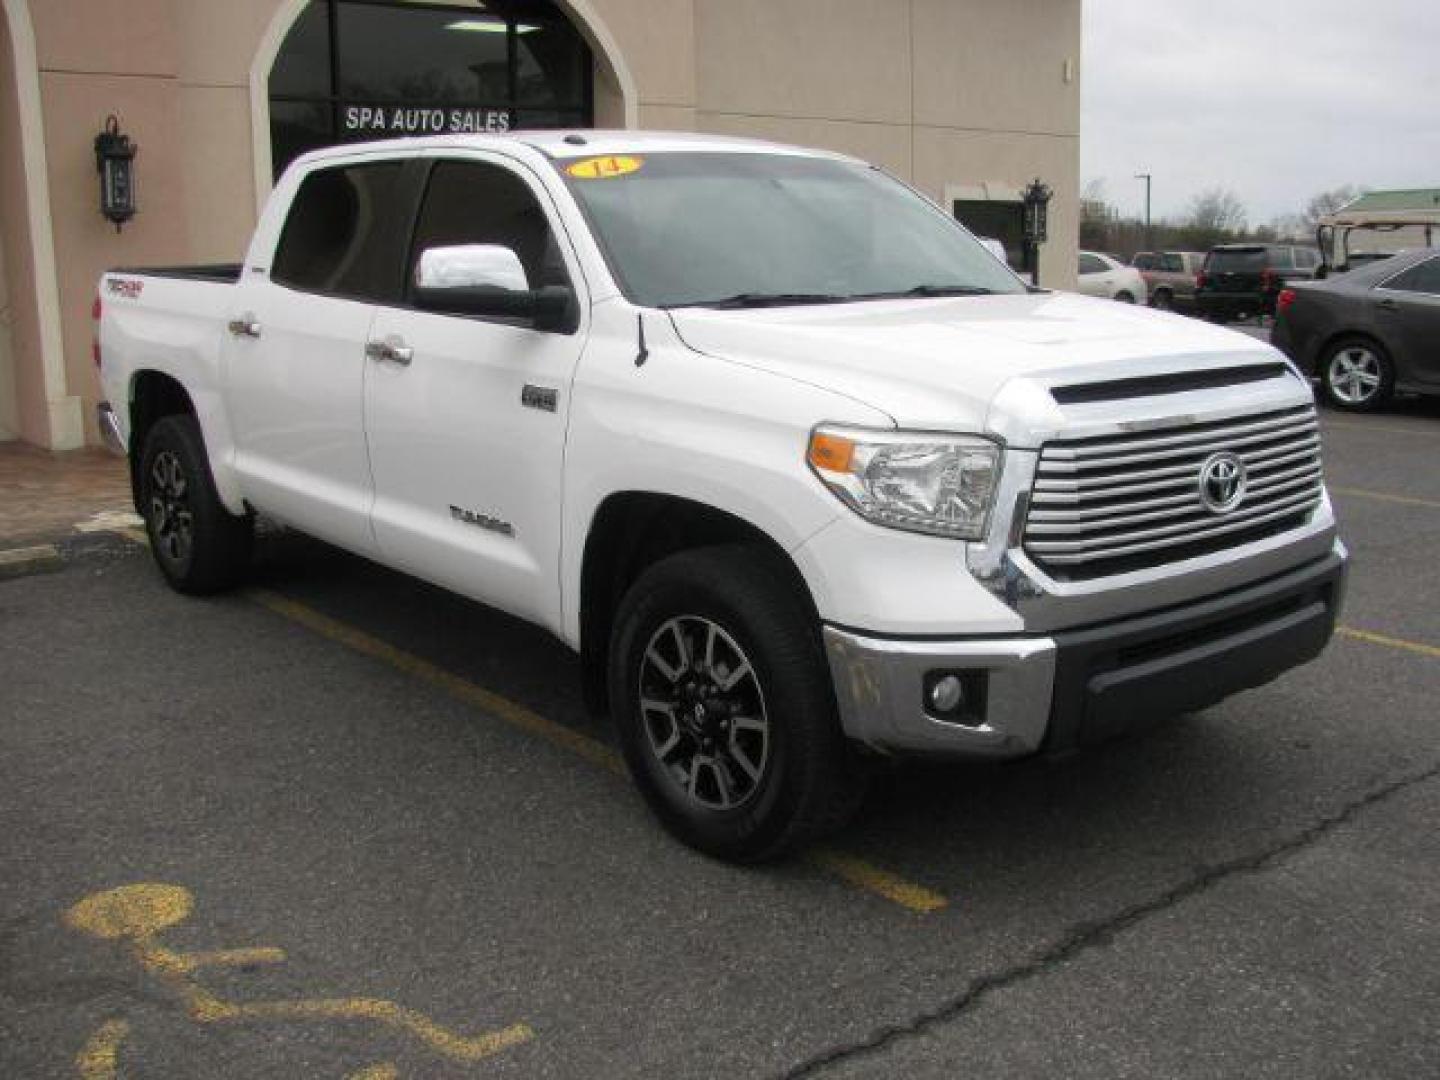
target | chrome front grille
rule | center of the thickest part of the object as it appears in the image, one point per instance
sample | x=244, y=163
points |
x=1116, y=503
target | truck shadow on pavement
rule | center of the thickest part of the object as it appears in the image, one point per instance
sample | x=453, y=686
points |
x=1162, y=801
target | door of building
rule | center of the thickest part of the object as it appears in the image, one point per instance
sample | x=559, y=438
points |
x=996, y=219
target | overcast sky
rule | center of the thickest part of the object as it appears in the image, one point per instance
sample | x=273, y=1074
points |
x=1275, y=99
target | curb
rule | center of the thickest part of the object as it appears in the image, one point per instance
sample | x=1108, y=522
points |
x=19, y=562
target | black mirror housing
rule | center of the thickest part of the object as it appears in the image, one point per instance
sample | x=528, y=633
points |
x=551, y=308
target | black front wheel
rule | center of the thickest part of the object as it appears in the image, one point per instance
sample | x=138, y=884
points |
x=199, y=546
x=722, y=699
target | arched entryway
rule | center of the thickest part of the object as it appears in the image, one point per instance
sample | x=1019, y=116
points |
x=335, y=71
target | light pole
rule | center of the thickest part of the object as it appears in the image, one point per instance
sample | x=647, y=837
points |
x=1149, y=240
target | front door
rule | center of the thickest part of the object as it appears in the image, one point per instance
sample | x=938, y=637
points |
x=466, y=424
x=295, y=355
x=1409, y=319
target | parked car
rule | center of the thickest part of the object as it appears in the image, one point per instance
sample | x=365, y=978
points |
x=1106, y=277
x=1242, y=280
x=1366, y=333
x=1170, y=277
x=796, y=466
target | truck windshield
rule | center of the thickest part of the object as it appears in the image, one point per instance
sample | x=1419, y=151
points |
x=741, y=229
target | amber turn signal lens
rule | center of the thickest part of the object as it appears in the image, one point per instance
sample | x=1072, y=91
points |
x=831, y=452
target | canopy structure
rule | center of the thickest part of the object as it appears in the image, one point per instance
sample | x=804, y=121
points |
x=1390, y=221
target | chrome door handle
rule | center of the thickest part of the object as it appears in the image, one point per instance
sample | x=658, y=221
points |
x=390, y=352
x=244, y=326
x=1388, y=305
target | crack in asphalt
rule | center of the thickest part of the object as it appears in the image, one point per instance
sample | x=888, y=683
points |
x=1092, y=934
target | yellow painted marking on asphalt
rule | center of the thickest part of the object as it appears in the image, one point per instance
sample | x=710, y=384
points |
x=852, y=870
x=591, y=750
x=137, y=913
x=1392, y=642
x=864, y=875
x=1385, y=496
x=384, y=1071
x=99, y=1058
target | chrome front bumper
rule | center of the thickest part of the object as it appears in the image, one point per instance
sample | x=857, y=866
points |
x=1071, y=687
x=878, y=684
x=110, y=433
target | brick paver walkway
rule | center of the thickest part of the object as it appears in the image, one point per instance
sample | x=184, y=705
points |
x=44, y=496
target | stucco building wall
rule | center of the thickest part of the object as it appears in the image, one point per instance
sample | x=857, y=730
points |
x=951, y=95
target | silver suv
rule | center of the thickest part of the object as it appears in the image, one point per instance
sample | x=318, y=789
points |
x=1169, y=276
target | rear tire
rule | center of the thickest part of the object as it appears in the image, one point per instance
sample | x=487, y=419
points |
x=199, y=546
x=722, y=699
x=1125, y=296
x=1356, y=375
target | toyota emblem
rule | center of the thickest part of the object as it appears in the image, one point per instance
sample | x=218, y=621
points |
x=1222, y=482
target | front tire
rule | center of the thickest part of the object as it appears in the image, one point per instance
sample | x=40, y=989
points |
x=1125, y=296
x=1162, y=301
x=1356, y=375
x=722, y=699
x=199, y=546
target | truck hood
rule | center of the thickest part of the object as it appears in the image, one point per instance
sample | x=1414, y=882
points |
x=940, y=363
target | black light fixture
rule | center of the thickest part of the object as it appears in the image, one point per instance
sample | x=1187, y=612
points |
x=1036, y=200
x=115, y=161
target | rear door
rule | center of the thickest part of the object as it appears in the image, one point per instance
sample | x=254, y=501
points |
x=1407, y=314
x=295, y=359
x=1235, y=271
x=467, y=436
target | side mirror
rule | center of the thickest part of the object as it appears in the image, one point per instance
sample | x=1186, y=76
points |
x=488, y=280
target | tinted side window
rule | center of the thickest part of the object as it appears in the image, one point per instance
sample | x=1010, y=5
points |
x=1171, y=264
x=1282, y=258
x=339, y=236
x=1422, y=277
x=1089, y=264
x=474, y=203
x=1146, y=260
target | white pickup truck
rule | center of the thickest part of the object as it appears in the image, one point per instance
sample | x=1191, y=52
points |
x=803, y=472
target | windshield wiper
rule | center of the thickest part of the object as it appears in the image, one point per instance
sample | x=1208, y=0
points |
x=758, y=299
x=928, y=290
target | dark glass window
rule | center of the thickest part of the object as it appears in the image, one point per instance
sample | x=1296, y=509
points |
x=1423, y=277
x=995, y=220
x=1090, y=264
x=1172, y=263
x=339, y=236
x=298, y=126
x=1230, y=260
x=419, y=55
x=474, y=203
x=373, y=69
x=302, y=68
x=1282, y=258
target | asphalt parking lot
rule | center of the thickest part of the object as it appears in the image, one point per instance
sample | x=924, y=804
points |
x=379, y=837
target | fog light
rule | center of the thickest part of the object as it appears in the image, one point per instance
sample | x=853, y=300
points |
x=947, y=694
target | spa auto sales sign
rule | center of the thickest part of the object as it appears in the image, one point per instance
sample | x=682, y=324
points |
x=397, y=121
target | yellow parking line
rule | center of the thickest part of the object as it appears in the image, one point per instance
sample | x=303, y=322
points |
x=1384, y=496
x=592, y=750
x=850, y=869
x=1392, y=642
x=871, y=878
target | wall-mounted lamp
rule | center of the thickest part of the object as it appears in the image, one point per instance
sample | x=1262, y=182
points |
x=115, y=160
x=1036, y=201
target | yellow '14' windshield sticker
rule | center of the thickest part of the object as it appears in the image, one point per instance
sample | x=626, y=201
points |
x=603, y=168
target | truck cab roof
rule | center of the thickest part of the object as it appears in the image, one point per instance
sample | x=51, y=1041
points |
x=562, y=144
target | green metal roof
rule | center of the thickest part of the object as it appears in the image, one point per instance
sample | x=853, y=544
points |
x=1408, y=199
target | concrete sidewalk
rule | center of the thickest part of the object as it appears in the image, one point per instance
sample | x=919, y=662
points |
x=46, y=497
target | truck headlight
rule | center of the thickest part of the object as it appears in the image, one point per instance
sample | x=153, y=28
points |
x=918, y=481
